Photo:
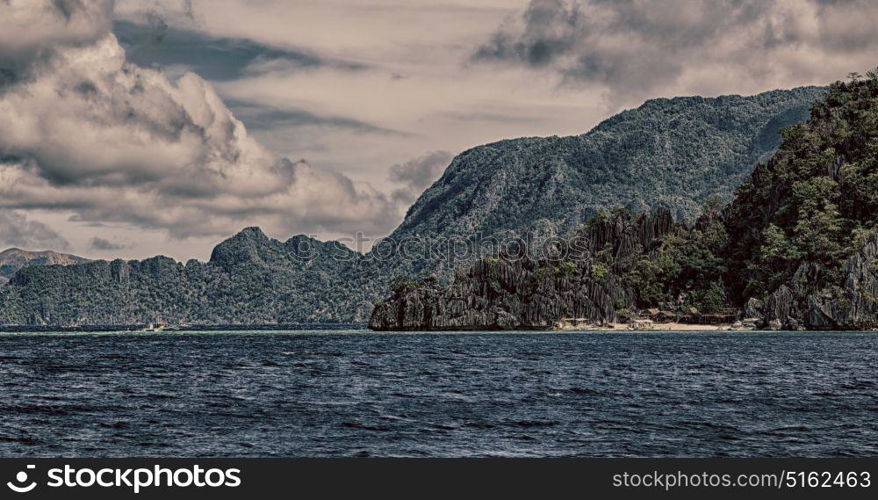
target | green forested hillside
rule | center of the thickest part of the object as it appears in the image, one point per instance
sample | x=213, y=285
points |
x=674, y=153
x=250, y=279
x=796, y=248
x=804, y=225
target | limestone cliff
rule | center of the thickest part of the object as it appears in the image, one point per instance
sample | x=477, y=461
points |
x=516, y=291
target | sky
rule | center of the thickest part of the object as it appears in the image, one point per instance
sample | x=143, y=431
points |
x=143, y=127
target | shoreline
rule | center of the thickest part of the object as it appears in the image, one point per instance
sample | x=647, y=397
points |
x=658, y=327
x=305, y=327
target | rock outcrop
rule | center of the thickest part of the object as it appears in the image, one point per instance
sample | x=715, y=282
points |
x=803, y=230
x=516, y=291
x=852, y=305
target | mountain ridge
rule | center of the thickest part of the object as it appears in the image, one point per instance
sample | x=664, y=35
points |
x=13, y=259
x=796, y=249
x=641, y=158
x=538, y=187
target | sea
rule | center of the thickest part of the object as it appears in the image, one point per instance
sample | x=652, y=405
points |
x=514, y=394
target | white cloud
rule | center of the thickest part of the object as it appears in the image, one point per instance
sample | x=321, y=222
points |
x=406, y=73
x=640, y=49
x=30, y=27
x=85, y=132
x=354, y=86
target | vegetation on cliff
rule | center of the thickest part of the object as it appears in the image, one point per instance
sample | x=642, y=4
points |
x=807, y=217
x=250, y=279
x=673, y=153
x=796, y=248
x=583, y=276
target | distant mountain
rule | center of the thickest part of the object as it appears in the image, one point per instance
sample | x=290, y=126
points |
x=250, y=279
x=670, y=153
x=674, y=153
x=13, y=259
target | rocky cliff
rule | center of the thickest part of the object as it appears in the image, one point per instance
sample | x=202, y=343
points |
x=851, y=304
x=804, y=225
x=797, y=248
x=582, y=278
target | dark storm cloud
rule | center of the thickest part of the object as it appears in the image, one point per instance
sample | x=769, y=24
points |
x=416, y=174
x=155, y=43
x=17, y=231
x=106, y=245
x=636, y=48
x=551, y=28
x=260, y=117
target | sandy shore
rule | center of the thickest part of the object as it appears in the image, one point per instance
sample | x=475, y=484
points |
x=683, y=327
x=658, y=327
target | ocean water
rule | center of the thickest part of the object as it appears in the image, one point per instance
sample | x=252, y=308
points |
x=318, y=394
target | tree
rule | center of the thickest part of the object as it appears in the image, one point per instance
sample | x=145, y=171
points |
x=817, y=232
x=777, y=247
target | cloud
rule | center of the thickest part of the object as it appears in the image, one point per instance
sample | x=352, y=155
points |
x=93, y=145
x=261, y=117
x=32, y=27
x=104, y=244
x=351, y=111
x=155, y=43
x=85, y=131
x=637, y=49
x=551, y=28
x=417, y=174
x=17, y=231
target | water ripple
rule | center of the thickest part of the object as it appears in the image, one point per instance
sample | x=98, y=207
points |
x=315, y=394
